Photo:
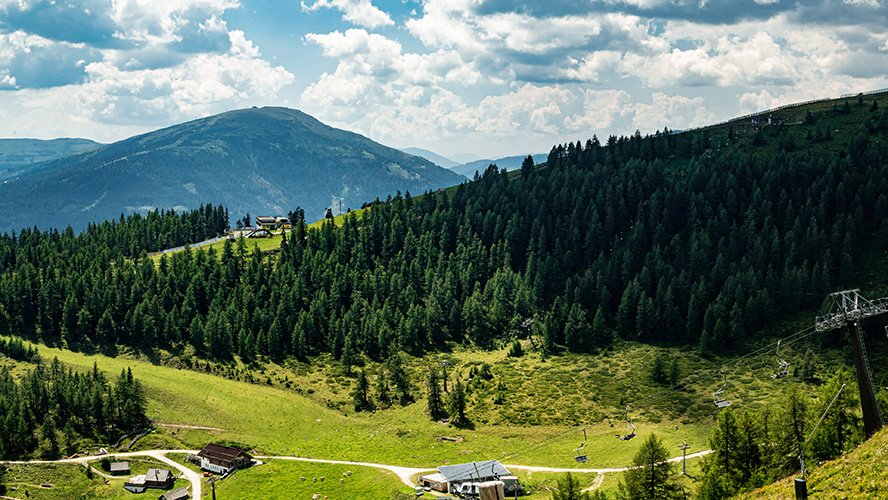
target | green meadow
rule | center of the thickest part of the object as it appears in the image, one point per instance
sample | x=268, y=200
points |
x=305, y=409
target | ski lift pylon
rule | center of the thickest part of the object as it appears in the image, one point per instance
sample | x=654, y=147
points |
x=720, y=401
x=580, y=451
x=784, y=366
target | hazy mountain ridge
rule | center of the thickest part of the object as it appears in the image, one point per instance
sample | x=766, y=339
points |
x=266, y=160
x=507, y=163
x=441, y=161
x=20, y=157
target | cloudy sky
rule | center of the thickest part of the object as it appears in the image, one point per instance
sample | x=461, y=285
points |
x=489, y=77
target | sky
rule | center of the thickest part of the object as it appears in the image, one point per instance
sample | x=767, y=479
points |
x=485, y=77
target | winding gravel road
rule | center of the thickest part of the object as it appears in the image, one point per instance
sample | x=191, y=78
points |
x=406, y=474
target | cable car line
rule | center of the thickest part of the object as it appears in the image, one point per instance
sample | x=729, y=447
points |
x=665, y=393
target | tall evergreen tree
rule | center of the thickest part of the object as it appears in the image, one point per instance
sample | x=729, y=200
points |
x=433, y=398
x=652, y=476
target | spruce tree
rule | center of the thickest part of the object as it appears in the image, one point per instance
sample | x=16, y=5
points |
x=456, y=403
x=651, y=475
x=433, y=399
x=569, y=488
x=360, y=395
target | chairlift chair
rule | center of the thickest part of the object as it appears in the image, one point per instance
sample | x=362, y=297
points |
x=580, y=451
x=784, y=366
x=629, y=427
x=720, y=401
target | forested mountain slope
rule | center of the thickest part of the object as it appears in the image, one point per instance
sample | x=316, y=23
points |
x=262, y=161
x=694, y=237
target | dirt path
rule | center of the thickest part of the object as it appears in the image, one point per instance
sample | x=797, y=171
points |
x=597, y=483
x=406, y=474
x=189, y=427
x=160, y=455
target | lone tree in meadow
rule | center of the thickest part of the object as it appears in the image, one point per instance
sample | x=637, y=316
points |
x=456, y=403
x=435, y=401
x=651, y=476
x=569, y=488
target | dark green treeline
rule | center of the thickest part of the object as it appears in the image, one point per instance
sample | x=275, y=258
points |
x=648, y=238
x=51, y=411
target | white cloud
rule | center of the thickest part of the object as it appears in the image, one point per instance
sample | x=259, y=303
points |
x=360, y=12
x=671, y=111
x=172, y=60
x=873, y=4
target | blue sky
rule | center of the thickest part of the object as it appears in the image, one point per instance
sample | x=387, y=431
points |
x=489, y=77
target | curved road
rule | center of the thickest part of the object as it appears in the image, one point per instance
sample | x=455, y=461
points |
x=404, y=473
x=160, y=455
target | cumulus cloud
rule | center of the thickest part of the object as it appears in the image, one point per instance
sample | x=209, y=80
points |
x=360, y=12
x=671, y=111
x=128, y=62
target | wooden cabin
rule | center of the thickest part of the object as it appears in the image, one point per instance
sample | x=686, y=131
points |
x=119, y=468
x=223, y=459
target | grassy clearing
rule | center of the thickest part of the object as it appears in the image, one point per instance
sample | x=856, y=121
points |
x=314, y=418
x=290, y=479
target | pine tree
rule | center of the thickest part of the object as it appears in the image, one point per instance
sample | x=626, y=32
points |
x=399, y=378
x=433, y=398
x=456, y=403
x=569, y=488
x=383, y=397
x=576, y=331
x=658, y=369
x=652, y=475
x=360, y=395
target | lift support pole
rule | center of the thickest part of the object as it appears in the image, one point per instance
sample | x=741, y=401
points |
x=871, y=418
x=849, y=308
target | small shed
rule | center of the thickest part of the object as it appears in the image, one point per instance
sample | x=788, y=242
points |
x=119, y=468
x=176, y=494
x=435, y=481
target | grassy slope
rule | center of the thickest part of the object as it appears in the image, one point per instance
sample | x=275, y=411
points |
x=860, y=474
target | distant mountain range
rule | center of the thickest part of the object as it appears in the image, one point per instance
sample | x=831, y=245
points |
x=431, y=156
x=21, y=156
x=259, y=160
x=469, y=168
x=507, y=163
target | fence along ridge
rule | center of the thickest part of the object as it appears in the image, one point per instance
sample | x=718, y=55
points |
x=780, y=108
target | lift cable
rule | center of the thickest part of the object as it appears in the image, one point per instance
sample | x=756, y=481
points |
x=682, y=386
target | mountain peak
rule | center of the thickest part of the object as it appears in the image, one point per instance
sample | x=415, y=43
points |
x=257, y=160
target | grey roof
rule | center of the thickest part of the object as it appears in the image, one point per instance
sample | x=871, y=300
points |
x=158, y=475
x=120, y=466
x=469, y=471
x=176, y=494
